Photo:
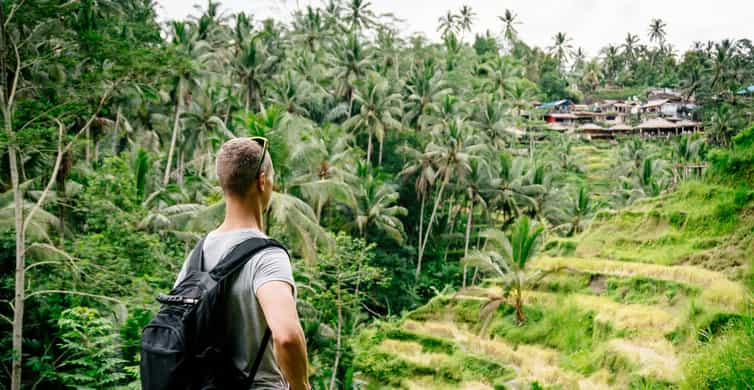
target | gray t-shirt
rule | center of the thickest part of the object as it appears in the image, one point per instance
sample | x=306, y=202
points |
x=245, y=320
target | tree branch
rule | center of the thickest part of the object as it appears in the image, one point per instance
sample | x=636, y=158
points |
x=55, y=169
x=62, y=151
x=12, y=12
x=40, y=292
x=16, y=75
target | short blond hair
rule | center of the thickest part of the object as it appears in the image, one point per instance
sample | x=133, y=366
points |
x=237, y=164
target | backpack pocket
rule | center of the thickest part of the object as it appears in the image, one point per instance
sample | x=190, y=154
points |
x=164, y=354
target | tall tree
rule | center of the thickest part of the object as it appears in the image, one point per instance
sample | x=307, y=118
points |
x=379, y=110
x=510, y=19
x=657, y=31
x=561, y=48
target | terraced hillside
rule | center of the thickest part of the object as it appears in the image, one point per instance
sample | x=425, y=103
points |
x=627, y=305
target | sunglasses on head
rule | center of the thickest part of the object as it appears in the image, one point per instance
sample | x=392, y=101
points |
x=263, y=142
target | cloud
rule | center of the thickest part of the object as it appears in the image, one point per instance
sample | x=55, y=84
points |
x=592, y=24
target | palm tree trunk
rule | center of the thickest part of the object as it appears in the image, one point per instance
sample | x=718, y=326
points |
x=451, y=226
x=429, y=225
x=520, y=317
x=421, y=219
x=379, y=158
x=176, y=129
x=369, y=147
x=468, y=234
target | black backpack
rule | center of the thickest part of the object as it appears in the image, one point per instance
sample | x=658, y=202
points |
x=184, y=347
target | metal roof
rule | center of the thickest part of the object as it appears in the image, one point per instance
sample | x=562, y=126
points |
x=749, y=89
x=556, y=103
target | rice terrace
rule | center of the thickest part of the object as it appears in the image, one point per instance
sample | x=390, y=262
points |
x=471, y=194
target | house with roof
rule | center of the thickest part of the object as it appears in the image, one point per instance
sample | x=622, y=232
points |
x=592, y=131
x=564, y=105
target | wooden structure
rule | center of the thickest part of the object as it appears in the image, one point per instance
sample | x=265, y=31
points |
x=620, y=129
x=592, y=131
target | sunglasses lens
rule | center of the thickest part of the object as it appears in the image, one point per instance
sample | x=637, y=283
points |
x=261, y=141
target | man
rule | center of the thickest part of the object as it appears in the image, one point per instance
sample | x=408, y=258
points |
x=263, y=293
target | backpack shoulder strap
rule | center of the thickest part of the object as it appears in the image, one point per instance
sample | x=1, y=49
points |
x=240, y=255
x=196, y=261
x=232, y=262
x=249, y=381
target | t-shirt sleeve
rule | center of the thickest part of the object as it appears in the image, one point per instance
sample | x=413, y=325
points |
x=273, y=265
x=182, y=274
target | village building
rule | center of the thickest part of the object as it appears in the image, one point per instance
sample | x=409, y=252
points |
x=666, y=113
x=592, y=131
x=621, y=129
x=562, y=106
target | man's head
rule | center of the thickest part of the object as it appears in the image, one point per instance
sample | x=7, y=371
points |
x=245, y=170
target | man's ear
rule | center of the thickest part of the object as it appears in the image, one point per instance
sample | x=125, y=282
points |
x=262, y=181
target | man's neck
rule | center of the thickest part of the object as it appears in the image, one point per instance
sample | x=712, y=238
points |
x=240, y=216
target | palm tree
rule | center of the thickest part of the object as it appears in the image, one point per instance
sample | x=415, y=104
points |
x=490, y=117
x=520, y=96
x=447, y=24
x=451, y=154
x=466, y=18
x=502, y=72
x=323, y=167
x=513, y=193
x=350, y=61
x=376, y=206
x=724, y=55
x=202, y=124
x=379, y=111
x=420, y=165
x=685, y=151
x=292, y=92
x=310, y=27
x=561, y=48
x=591, y=75
x=185, y=40
x=579, y=58
x=629, y=47
x=425, y=87
x=657, y=31
x=252, y=64
x=476, y=182
x=507, y=259
x=577, y=212
x=510, y=20
x=359, y=15
x=650, y=177
x=723, y=124
x=612, y=62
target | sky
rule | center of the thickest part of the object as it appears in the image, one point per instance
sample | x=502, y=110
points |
x=591, y=23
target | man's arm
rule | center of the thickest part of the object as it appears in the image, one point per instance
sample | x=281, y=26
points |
x=279, y=307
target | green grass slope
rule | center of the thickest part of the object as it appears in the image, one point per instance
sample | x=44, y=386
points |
x=655, y=296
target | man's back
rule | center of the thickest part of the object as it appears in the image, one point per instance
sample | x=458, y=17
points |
x=245, y=323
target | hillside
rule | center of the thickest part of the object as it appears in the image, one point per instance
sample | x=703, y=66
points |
x=630, y=302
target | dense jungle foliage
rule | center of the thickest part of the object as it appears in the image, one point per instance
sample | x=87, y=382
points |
x=402, y=178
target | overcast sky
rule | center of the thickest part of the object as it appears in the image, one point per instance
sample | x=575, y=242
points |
x=591, y=23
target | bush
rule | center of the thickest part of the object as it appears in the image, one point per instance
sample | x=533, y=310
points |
x=734, y=165
x=726, y=362
x=91, y=345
